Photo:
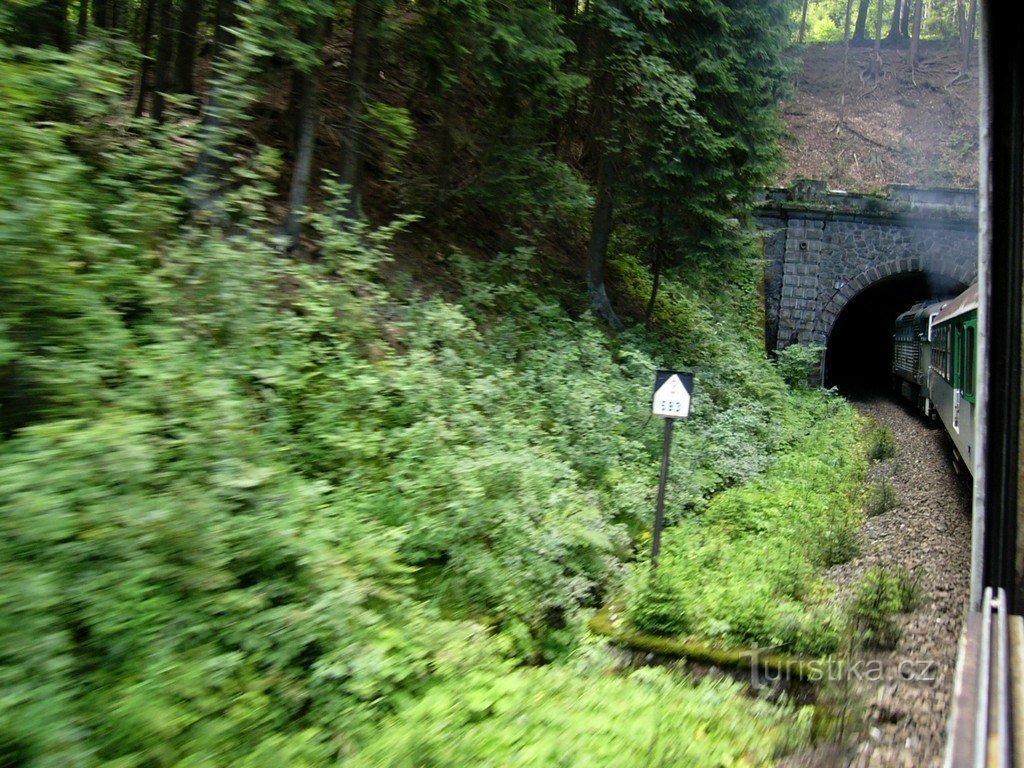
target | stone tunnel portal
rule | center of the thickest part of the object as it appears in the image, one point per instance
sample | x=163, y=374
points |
x=859, y=348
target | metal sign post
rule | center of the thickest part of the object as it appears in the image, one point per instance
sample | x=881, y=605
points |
x=672, y=390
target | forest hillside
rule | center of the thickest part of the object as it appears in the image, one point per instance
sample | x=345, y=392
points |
x=326, y=354
x=860, y=133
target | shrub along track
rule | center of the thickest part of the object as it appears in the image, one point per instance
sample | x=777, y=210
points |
x=927, y=533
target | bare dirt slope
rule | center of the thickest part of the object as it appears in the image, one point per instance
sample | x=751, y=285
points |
x=907, y=127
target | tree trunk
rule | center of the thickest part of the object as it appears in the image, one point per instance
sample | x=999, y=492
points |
x=209, y=164
x=600, y=233
x=967, y=39
x=803, y=22
x=164, y=57
x=308, y=114
x=222, y=36
x=100, y=15
x=875, y=70
x=894, y=26
x=859, y=33
x=601, y=122
x=83, y=18
x=185, y=55
x=45, y=23
x=846, y=66
x=961, y=21
x=364, y=15
x=915, y=40
x=657, y=258
x=146, y=47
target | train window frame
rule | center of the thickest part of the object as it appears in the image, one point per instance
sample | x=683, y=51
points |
x=956, y=377
x=940, y=350
x=969, y=357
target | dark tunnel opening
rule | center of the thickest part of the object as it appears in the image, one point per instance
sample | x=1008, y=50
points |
x=859, y=352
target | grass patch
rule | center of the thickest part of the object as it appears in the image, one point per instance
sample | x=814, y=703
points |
x=882, y=594
x=881, y=498
x=881, y=443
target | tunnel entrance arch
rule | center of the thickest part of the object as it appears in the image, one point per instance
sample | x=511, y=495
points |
x=858, y=334
x=822, y=248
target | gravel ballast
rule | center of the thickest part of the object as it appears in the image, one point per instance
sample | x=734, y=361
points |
x=928, y=533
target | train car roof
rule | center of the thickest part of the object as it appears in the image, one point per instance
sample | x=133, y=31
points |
x=962, y=304
x=922, y=308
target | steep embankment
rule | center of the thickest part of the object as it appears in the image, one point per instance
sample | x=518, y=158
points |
x=915, y=126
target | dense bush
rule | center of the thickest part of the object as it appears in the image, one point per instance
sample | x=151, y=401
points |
x=555, y=716
x=742, y=570
x=880, y=596
x=800, y=364
x=252, y=506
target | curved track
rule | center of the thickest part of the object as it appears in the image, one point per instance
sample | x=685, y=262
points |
x=929, y=533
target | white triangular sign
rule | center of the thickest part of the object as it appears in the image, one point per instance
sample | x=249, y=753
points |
x=672, y=399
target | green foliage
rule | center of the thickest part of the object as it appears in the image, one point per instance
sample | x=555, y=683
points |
x=692, y=90
x=221, y=469
x=881, y=498
x=800, y=364
x=880, y=596
x=252, y=508
x=511, y=63
x=881, y=443
x=393, y=127
x=555, y=716
x=742, y=570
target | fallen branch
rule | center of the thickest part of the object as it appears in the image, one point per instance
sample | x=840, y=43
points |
x=866, y=138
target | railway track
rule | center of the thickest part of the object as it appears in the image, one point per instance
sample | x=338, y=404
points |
x=928, y=533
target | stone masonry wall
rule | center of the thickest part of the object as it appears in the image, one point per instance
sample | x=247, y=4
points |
x=823, y=251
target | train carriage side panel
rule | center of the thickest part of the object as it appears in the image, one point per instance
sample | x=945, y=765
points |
x=952, y=375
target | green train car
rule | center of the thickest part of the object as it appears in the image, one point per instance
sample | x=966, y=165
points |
x=935, y=353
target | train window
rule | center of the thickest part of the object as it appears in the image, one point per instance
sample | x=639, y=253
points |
x=970, y=347
x=939, y=351
x=956, y=354
x=945, y=357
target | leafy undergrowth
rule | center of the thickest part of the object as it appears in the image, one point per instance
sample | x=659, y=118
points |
x=252, y=507
x=746, y=571
x=555, y=716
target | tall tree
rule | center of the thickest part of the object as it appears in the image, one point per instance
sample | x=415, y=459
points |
x=915, y=39
x=860, y=28
x=875, y=68
x=602, y=108
x=803, y=21
x=146, y=47
x=185, y=45
x=896, y=25
x=365, y=16
x=691, y=93
x=306, y=82
x=213, y=141
x=967, y=23
x=83, y=18
x=164, y=57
